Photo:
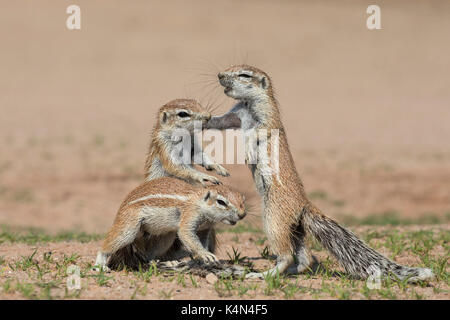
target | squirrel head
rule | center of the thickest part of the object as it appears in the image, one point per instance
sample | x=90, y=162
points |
x=244, y=82
x=222, y=204
x=183, y=114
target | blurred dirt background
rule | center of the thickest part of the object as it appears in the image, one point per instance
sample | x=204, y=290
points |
x=367, y=112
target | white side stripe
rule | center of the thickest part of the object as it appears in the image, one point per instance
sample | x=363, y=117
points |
x=160, y=196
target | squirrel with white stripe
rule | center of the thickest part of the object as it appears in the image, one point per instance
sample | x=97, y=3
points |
x=165, y=153
x=164, y=156
x=288, y=215
x=155, y=213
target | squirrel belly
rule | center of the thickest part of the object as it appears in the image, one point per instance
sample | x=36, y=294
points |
x=157, y=213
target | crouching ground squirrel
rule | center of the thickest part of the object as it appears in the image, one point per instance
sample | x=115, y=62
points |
x=288, y=215
x=155, y=213
x=165, y=154
x=164, y=157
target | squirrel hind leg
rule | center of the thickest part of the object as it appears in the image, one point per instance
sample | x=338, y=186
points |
x=283, y=263
x=101, y=261
x=303, y=260
x=119, y=239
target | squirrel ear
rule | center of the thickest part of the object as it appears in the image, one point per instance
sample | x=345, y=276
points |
x=163, y=117
x=264, y=82
x=207, y=196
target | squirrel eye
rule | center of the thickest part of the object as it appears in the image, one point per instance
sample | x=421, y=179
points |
x=183, y=114
x=222, y=203
x=244, y=75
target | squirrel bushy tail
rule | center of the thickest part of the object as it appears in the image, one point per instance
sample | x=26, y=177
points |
x=352, y=253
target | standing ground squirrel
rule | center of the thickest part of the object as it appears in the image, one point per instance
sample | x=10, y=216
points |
x=288, y=214
x=164, y=158
x=155, y=213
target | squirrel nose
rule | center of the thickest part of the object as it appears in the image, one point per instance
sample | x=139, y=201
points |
x=242, y=214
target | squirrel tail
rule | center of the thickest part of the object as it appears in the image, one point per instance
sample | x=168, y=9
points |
x=352, y=253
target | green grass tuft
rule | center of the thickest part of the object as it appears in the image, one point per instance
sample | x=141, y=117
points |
x=33, y=236
x=393, y=218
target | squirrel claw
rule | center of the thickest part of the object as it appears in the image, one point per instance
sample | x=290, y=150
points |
x=218, y=169
x=211, y=179
x=209, y=258
x=221, y=171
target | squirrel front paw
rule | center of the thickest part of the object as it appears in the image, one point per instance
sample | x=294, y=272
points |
x=218, y=169
x=209, y=257
x=203, y=179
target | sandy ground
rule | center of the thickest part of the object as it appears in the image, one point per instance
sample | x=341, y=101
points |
x=366, y=112
x=124, y=285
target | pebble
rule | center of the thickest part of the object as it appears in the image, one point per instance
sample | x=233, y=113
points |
x=211, y=278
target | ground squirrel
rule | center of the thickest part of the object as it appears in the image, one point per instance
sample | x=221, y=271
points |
x=288, y=214
x=155, y=213
x=164, y=158
x=165, y=145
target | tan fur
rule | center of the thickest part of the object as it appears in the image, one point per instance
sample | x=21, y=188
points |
x=159, y=162
x=151, y=217
x=288, y=214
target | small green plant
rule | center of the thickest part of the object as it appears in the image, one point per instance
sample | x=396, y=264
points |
x=133, y=295
x=273, y=282
x=46, y=289
x=235, y=257
x=7, y=286
x=33, y=236
x=243, y=289
x=181, y=280
x=147, y=275
x=224, y=287
x=395, y=243
x=393, y=218
x=23, y=195
x=26, y=289
x=265, y=253
x=101, y=278
x=290, y=290
x=48, y=257
x=343, y=294
x=99, y=140
x=41, y=271
x=72, y=259
x=260, y=241
x=26, y=262
x=166, y=294
x=193, y=281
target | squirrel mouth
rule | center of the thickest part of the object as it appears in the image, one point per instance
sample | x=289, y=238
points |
x=227, y=89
